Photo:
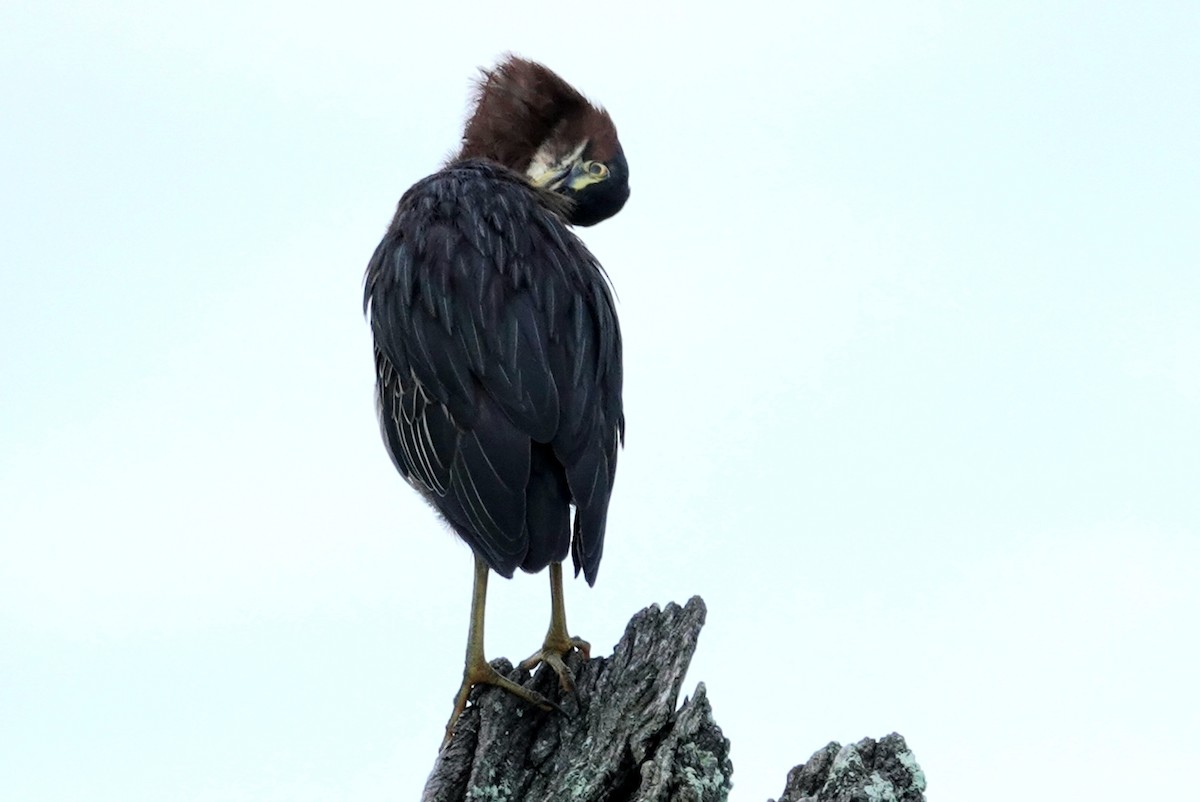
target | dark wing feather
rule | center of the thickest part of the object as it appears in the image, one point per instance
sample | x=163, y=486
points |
x=499, y=366
x=593, y=422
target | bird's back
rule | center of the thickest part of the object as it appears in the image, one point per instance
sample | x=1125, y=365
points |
x=499, y=366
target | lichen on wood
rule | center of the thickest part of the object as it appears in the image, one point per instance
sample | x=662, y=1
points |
x=622, y=735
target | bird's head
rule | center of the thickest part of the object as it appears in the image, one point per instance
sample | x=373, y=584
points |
x=532, y=121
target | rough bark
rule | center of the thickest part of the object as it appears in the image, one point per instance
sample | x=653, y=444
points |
x=868, y=771
x=622, y=737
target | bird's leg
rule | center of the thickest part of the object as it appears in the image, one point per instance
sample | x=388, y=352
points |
x=558, y=642
x=477, y=670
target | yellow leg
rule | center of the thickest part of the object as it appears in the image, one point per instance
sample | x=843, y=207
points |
x=558, y=642
x=476, y=671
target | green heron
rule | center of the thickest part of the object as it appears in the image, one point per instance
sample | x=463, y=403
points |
x=497, y=347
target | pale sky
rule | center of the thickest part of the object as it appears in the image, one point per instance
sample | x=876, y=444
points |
x=911, y=304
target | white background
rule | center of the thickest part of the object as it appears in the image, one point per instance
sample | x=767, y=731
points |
x=912, y=318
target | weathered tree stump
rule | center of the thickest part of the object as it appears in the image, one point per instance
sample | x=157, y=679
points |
x=622, y=738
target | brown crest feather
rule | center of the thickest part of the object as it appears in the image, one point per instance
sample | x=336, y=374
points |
x=521, y=104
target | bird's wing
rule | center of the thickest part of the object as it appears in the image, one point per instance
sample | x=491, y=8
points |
x=587, y=358
x=494, y=327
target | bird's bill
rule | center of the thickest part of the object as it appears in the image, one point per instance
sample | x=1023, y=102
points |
x=549, y=176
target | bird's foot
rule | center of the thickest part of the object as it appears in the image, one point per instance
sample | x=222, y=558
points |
x=480, y=672
x=557, y=646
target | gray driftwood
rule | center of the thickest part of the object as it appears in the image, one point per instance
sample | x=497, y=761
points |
x=622, y=736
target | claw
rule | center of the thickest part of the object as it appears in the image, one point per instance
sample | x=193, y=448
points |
x=552, y=653
x=482, y=673
x=558, y=644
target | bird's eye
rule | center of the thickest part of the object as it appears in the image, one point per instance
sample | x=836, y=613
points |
x=598, y=170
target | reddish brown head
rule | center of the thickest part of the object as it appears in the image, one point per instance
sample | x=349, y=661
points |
x=532, y=121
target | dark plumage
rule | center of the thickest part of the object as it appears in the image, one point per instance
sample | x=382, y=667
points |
x=499, y=362
x=497, y=349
